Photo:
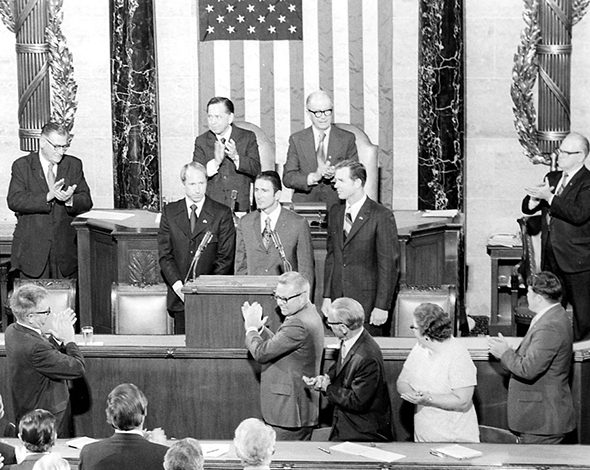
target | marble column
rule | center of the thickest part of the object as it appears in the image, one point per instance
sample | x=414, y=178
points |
x=136, y=156
x=441, y=105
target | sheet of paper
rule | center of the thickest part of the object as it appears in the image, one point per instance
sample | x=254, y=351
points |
x=456, y=451
x=80, y=442
x=369, y=452
x=214, y=450
x=106, y=215
x=441, y=213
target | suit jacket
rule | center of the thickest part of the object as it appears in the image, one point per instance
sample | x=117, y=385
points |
x=293, y=351
x=43, y=226
x=539, y=396
x=39, y=370
x=293, y=230
x=359, y=393
x=302, y=160
x=570, y=221
x=177, y=247
x=229, y=177
x=27, y=464
x=123, y=452
x=8, y=452
x=366, y=266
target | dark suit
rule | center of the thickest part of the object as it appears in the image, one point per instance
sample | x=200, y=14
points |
x=123, y=452
x=566, y=243
x=302, y=160
x=27, y=464
x=366, y=266
x=252, y=258
x=7, y=451
x=45, y=226
x=539, y=396
x=177, y=246
x=358, y=391
x=293, y=351
x=228, y=177
x=38, y=374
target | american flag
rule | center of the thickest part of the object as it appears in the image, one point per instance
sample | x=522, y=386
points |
x=346, y=50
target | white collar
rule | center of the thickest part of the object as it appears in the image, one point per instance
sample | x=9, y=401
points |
x=189, y=202
x=226, y=135
x=350, y=342
x=356, y=207
x=273, y=216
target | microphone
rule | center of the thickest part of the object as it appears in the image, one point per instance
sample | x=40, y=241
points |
x=277, y=242
x=193, y=266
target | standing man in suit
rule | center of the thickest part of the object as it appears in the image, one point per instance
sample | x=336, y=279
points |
x=183, y=227
x=47, y=190
x=127, y=448
x=314, y=151
x=230, y=155
x=256, y=252
x=363, y=249
x=540, y=406
x=355, y=384
x=564, y=200
x=294, y=351
x=39, y=368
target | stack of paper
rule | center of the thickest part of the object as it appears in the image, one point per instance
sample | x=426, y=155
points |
x=456, y=451
x=369, y=452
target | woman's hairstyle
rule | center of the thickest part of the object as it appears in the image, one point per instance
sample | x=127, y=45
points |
x=37, y=430
x=433, y=322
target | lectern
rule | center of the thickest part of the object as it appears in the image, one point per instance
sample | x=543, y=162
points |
x=212, y=306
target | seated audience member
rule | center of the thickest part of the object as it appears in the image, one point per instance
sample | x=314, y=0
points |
x=439, y=377
x=37, y=432
x=255, y=444
x=355, y=384
x=51, y=462
x=185, y=454
x=128, y=448
x=7, y=455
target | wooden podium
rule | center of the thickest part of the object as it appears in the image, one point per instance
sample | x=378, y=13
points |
x=212, y=306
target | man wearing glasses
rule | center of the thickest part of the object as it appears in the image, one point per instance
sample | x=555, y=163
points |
x=39, y=367
x=47, y=190
x=294, y=351
x=314, y=151
x=564, y=201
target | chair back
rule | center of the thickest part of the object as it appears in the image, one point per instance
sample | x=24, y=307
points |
x=266, y=148
x=492, y=435
x=140, y=310
x=530, y=233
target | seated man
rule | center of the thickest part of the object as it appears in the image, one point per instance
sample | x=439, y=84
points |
x=37, y=432
x=128, y=448
x=7, y=456
x=185, y=454
x=255, y=444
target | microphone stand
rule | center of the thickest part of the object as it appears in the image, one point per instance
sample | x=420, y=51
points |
x=277, y=242
x=192, y=269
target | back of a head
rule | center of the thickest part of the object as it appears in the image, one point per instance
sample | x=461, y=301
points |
x=255, y=442
x=37, y=431
x=51, y=462
x=547, y=285
x=126, y=407
x=185, y=454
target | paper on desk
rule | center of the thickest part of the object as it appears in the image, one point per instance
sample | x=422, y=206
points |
x=456, y=451
x=106, y=215
x=94, y=343
x=214, y=450
x=80, y=442
x=441, y=213
x=369, y=452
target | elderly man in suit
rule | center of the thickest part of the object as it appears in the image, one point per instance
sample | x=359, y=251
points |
x=355, y=384
x=564, y=201
x=540, y=406
x=314, y=151
x=185, y=454
x=294, y=351
x=363, y=249
x=261, y=235
x=192, y=222
x=47, y=190
x=127, y=448
x=39, y=368
x=230, y=155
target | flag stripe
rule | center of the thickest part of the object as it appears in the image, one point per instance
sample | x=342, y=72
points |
x=267, y=101
x=221, y=65
x=325, y=47
x=236, y=77
x=252, y=82
x=296, y=50
x=386, y=130
x=282, y=98
x=207, y=82
x=370, y=66
x=355, y=54
x=341, y=63
x=311, y=52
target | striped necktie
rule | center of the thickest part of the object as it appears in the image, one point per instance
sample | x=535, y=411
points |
x=347, y=224
x=320, y=154
x=50, y=176
x=266, y=233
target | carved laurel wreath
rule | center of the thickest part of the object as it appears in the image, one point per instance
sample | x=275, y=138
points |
x=524, y=75
x=63, y=85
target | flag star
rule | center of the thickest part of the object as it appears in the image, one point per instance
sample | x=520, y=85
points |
x=210, y=29
x=240, y=19
x=231, y=29
x=229, y=8
x=261, y=19
x=291, y=7
x=271, y=8
x=292, y=29
x=220, y=19
x=250, y=8
x=209, y=8
x=272, y=29
x=251, y=29
x=282, y=19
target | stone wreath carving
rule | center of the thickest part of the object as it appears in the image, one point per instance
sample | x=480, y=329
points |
x=524, y=75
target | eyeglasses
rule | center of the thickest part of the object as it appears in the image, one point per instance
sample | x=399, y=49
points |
x=58, y=147
x=318, y=114
x=562, y=152
x=280, y=298
x=333, y=323
x=44, y=312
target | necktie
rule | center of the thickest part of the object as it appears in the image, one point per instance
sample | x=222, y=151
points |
x=222, y=140
x=193, y=217
x=562, y=185
x=320, y=154
x=347, y=224
x=342, y=351
x=266, y=233
x=50, y=176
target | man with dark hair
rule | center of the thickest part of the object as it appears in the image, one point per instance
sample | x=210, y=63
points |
x=39, y=368
x=314, y=151
x=261, y=252
x=355, y=384
x=185, y=454
x=37, y=432
x=183, y=227
x=294, y=351
x=540, y=406
x=564, y=202
x=47, y=190
x=127, y=448
x=255, y=444
x=363, y=249
x=230, y=155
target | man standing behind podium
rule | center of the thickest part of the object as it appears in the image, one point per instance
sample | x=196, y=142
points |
x=47, y=190
x=183, y=227
x=230, y=155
